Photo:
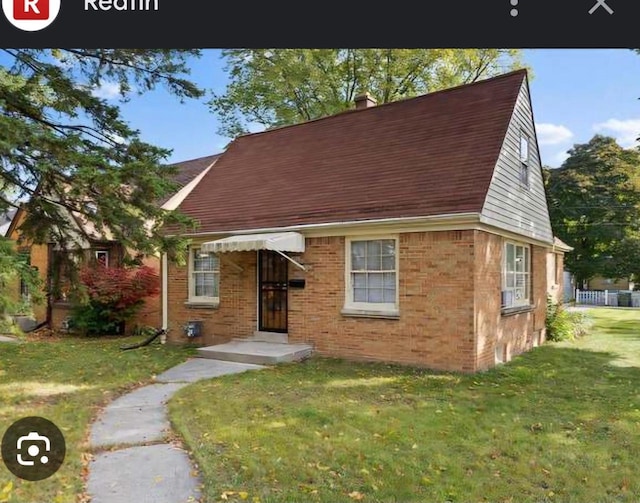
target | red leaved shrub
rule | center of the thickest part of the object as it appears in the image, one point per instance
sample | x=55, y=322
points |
x=112, y=295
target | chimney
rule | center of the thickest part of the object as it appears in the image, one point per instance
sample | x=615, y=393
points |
x=364, y=101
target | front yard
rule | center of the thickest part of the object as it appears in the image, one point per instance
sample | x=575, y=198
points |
x=559, y=424
x=67, y=381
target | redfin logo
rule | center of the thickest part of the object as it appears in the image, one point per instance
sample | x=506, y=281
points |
x=31, y=9
x=31, y=15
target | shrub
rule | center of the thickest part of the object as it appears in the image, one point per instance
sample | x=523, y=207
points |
x=109, y=296
x=564, y=325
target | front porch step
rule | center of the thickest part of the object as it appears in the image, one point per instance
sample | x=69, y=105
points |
x=275, y=337
x=258, y=352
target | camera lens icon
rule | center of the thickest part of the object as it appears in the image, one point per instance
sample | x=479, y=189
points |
x=32, y=440
x=33, y=448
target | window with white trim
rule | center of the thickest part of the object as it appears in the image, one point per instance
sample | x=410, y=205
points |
x=372, y=275
x=204, y=276
x=102, y=257
x=516, y=275
x=524, y=159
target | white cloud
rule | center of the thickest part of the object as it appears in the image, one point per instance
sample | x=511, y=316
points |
x=107, y=91
x=625, y=131
x=559, y=158
x=553, y=134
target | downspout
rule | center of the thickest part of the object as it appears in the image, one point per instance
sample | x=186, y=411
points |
x=165, y=299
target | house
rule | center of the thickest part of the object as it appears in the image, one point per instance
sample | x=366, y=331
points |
x=611, y=284
x=558, y=287
x=52, y=262
x=414, y=232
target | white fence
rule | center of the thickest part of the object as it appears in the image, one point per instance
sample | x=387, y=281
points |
x=604, y=298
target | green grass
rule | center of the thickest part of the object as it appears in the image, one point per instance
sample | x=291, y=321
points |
x=67, y=381
x=558, y=424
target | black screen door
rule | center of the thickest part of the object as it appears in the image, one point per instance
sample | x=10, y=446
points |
x=272, y=271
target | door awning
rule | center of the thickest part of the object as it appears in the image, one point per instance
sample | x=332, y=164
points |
x=276, y=241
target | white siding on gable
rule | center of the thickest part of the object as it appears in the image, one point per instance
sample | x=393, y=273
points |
x=509, y=204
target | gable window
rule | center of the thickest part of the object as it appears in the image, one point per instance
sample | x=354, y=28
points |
x=204, y=277
x=516, y=275
x=524, y=159
x=372, y=275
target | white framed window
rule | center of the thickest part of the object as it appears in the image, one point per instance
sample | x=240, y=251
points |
x=372, y=274
x=204, y=276
x=524, y=159
x=102, y=257
x=516, y=275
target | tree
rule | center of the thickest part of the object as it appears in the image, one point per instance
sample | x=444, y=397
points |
x=275, y=87
x=111, y=296
x=65, y=151
x=594, y=204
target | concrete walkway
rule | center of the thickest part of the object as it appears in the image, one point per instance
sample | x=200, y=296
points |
x=140, y=465
x=9, y=338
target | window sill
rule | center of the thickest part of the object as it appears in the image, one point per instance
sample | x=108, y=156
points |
x=201, y=305
x=61, y=304
x=512, y=311
x=361, y=313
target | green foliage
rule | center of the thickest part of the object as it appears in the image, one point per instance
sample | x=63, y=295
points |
x=594, y=205
x=564, y=325
x=275, y=87
x=69, y=155
x=14, y=267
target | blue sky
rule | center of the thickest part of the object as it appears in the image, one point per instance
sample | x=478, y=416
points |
x=576, y=93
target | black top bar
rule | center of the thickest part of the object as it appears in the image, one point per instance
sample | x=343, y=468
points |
x=228, y=23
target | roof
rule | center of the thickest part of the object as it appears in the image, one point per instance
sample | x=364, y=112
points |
x=5, y=220
x=430, y=155
x=560, y=245
x=187, y=171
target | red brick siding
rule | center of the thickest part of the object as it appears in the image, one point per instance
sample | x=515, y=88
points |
x=449, y=294
x=435, y=327
x=517, y=331
x=236, y=314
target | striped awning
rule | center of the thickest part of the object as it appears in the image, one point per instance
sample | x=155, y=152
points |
x=276, y=241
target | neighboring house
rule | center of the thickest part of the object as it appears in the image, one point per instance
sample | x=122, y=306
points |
x=556, y=279
x=52, y=262
x=414, y=232
x=5, y=221
x=611, y=284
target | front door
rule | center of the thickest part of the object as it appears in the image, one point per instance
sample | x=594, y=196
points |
x=272, y=289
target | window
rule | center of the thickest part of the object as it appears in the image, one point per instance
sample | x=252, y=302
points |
x=102, y=258
x=516, y=275
x=372, y=275
x=204, y=277
x=524, y=160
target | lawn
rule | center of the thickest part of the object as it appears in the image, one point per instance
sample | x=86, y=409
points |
x=66, y=381
x=558, y=424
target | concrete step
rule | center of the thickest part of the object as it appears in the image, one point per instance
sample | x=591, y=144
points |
x=258, y=352
x=274, y=337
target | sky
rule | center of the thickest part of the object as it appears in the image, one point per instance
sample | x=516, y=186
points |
x=576, y=93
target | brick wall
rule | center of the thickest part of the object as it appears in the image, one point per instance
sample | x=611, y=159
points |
x=236, y=314
x=435, y=327
x=444, y=323
x=517, y=332
x=150, y=315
